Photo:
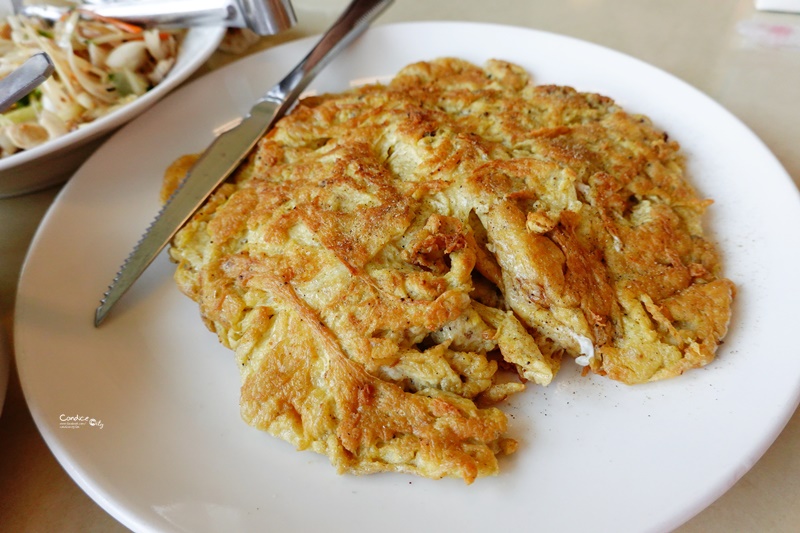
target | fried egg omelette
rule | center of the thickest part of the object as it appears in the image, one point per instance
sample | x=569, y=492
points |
x=393, y=261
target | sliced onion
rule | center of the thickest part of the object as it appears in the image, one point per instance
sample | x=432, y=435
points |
x=129, y=56
x=27, y=135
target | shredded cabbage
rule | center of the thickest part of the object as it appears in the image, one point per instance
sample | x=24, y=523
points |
x=83, y=86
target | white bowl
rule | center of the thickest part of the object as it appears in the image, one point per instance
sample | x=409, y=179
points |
x=55, y=161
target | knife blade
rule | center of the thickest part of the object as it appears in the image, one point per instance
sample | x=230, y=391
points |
x=230, y=148
x=21, y=81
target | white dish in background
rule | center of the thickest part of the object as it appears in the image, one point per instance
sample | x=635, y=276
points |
x=54, y=161
x=595, y=455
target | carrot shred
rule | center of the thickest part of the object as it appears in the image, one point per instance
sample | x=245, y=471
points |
x=124, y=26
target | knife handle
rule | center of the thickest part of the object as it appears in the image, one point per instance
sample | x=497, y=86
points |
x=351, y=23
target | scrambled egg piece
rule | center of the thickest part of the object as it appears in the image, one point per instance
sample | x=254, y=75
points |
x=386, y=252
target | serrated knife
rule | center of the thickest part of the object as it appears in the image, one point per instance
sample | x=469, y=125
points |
x=228, y=150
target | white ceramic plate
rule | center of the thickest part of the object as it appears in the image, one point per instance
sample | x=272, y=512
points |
x=54, y=161
x=172, y=453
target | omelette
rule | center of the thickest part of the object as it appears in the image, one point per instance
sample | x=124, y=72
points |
x=392, y=262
